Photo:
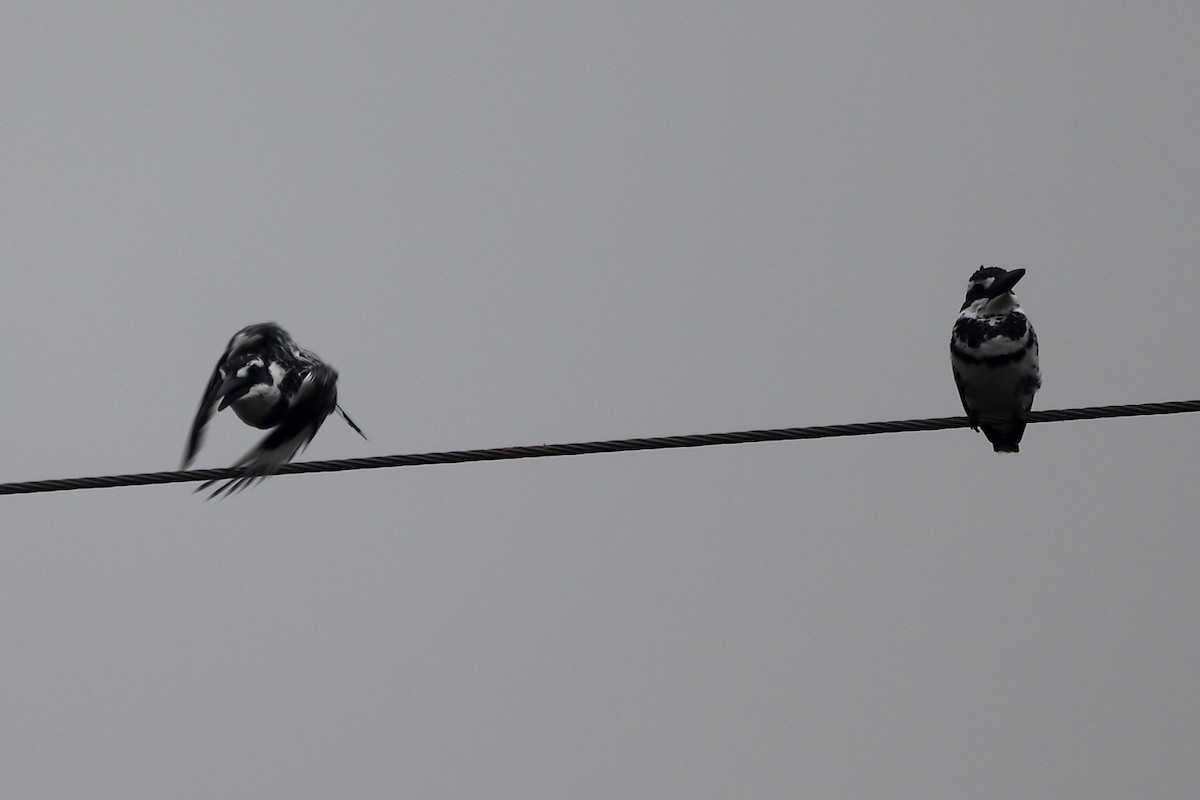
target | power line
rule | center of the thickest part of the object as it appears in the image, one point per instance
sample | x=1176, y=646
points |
x=609, y=446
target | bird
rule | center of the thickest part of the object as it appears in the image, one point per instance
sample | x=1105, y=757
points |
x=270, y=382
x=994, y=357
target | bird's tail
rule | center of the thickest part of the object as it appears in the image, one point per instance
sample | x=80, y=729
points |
x=1006, y=438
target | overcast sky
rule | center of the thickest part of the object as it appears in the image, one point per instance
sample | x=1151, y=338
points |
x=521, y=223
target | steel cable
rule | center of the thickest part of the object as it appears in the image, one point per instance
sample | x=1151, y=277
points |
x=608, y=446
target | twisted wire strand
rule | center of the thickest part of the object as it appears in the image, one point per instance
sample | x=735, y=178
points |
x=607, y=446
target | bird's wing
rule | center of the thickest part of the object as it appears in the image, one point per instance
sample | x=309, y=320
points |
x=313, y=402
x=962, y=395
x=310, y=357
x=204, y=413
x=341, y=412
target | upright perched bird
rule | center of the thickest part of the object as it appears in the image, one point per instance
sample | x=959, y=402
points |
x=270, y=382
x=994, y=355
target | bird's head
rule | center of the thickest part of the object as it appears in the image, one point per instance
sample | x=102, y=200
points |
x=989, y=291
x=244, y=374
x=258, y=337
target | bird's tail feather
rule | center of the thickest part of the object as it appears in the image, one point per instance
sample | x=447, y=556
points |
x=1005, y=439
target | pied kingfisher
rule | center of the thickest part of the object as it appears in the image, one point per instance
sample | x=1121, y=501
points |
x=270, y=382
x=994, y=355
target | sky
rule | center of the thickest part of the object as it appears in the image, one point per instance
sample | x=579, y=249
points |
x=523, y=223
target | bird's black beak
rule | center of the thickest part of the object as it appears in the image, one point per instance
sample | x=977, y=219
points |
x=234, y=387
x=1005, y=283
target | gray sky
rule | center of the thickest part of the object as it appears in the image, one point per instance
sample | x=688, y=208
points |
x=553, y=222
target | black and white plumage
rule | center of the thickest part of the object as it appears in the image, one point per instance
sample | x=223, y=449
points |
x=270, y=382
x=994, y=355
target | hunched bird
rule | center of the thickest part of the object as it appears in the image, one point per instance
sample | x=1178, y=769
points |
x=270, y=382
x=994, y=356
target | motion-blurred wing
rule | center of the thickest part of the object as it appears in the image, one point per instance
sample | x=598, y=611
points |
x=350, y=422
x=208, y=404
